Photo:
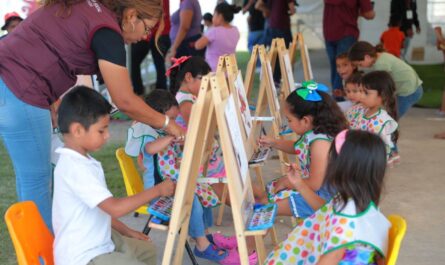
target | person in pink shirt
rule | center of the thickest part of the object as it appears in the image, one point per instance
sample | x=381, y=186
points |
x=222, y=38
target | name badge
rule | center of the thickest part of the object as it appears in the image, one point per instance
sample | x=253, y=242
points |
x=409, y=14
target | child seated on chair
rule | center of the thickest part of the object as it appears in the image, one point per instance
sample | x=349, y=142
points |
x=161, y=154
x=85, y=213
x=315, y=116
x=146, y=143
x=185, y=81
x=348, y=229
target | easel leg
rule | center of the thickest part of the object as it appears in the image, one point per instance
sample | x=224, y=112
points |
x=260, y=249
x=259, y=178
x=179, y=256
x=222, y=206
x=242, y=249
x=168, y=251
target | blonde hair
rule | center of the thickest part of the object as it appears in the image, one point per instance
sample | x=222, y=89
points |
x=147, y=9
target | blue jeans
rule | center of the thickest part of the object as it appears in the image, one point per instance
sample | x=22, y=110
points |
x=404, y=103
x=335, y=48
x=201, y=218
x=26, y=133
x=254, y=38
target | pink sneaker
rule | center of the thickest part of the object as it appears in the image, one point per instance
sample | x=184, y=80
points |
x=233, y=258
x=222, y=241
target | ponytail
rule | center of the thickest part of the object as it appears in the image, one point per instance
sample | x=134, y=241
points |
x=361, y=48
x=327, y=116
x=227, y=11
x=195, y=65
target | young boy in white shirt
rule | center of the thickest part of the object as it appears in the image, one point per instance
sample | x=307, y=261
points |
x=85, y=212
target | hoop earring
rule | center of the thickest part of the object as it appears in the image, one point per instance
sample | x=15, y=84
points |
x=132, y=25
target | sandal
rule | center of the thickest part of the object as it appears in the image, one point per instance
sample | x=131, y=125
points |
x=222, y=241
x=233, y=258
x=212, y=252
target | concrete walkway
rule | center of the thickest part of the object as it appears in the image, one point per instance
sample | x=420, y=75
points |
x=412, y=189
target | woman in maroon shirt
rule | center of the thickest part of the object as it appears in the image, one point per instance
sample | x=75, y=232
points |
x=39, y=62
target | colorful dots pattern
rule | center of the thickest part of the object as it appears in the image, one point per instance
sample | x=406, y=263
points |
x=302, y=150
x=169, y=162
x=317, y=234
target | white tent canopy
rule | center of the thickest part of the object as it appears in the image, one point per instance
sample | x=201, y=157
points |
x=309, y=20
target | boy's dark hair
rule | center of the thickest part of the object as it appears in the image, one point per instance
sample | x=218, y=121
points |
x=355, y=78
x=343, y=55
x=361, y=48
x=161, y=100
x=382, y=82
x=195, y=65
x=395, y=20
x=327, y=116
x=227, y=11
x=83, y=105
x=357, y=172
x=207, y=17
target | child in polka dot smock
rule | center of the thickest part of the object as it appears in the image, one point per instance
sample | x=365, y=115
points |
x=349, y=229
x=161, y=155
x=379, y=112
x=315, y=116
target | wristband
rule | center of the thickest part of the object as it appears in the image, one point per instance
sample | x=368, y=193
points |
x=167, y=121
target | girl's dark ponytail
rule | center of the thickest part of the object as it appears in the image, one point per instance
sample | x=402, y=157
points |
x=361, y=48
x=227, y=11
x=195, y=65
x=327, y=116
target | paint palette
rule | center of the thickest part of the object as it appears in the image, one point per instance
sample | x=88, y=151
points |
x=261, y=155
x=162, y=208
x=263, y=217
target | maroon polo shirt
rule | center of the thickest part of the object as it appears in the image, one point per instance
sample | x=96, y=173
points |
x=340, y=18
x=39, y=61
x=279, y=14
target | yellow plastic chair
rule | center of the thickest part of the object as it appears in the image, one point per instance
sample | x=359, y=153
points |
x=396, y=234
x=132, y=178
x=32, y=240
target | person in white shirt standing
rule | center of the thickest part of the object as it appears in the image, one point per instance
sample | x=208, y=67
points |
x=85, y=212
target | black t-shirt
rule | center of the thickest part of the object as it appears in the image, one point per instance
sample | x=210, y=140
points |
x=256, y=20
x=109, y=45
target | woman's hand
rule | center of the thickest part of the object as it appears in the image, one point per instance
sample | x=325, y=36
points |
x=267, y=141
x=294, y=176
x=175, y=130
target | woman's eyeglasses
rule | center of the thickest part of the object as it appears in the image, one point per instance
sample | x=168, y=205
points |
x=147, y=29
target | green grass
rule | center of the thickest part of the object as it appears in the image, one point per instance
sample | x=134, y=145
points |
x=8, y=194
x=242, y=58
x=433, y=78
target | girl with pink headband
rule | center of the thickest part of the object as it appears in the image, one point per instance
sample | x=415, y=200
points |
x=349, y=228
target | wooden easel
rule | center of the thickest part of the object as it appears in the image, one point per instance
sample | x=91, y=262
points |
x=267, y=95
x=298, y=42
x=227, y=64
x=212, y=101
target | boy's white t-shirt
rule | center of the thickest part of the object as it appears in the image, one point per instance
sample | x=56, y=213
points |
x=82, y=230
